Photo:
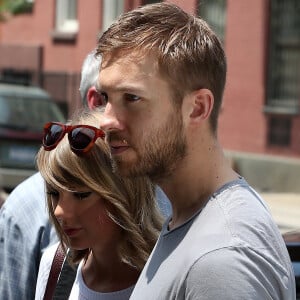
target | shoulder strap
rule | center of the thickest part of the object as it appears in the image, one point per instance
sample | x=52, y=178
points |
x=65, y=281
x=54, y=272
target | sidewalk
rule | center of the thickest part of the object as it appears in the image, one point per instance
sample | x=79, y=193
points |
x=285, y=209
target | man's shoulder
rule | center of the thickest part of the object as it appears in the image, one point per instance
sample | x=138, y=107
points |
x=26, y=204
x=27, y=193
x=33, y=185
x=238, y=204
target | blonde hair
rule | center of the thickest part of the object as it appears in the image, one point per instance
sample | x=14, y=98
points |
x=131, y=202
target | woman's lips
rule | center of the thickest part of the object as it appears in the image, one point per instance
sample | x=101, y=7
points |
x=70, y=232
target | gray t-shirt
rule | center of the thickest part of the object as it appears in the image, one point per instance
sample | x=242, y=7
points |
x=231, y=249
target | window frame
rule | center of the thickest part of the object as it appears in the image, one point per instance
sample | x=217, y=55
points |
x=214, y=12
x=279, y=131
x=66, y=25
x=111, y=10
x=283, y=71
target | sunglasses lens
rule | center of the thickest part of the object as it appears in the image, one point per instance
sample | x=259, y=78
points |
x=80, y=138
x=52, y=135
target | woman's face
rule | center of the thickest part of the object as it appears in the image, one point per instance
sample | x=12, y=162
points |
x=83, y=216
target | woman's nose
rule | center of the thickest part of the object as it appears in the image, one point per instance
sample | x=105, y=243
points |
x=59, y=211
x=64, y=208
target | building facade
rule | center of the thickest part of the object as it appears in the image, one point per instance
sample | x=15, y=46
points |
x=260, y=113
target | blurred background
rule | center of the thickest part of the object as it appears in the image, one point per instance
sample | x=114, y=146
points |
x=43, y=44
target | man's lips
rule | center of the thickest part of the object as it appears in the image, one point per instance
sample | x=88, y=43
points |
x=118, y=146
x=118, y=149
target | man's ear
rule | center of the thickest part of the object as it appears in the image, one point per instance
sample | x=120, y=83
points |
x=93, y=98
x=202, y=104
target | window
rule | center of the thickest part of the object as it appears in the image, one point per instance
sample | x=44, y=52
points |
x=283, y=90
x=16, y=76
x=150, y=1
x=279, y=131
x=214, y=13
x=111, y=10
x=66, y=18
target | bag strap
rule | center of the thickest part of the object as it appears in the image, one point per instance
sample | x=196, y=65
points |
x=65, y=281
x=54, y=272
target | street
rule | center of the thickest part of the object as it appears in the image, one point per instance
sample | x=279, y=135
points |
x=285, y=209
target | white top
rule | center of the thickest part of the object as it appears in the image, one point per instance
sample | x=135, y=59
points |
x=79, y=289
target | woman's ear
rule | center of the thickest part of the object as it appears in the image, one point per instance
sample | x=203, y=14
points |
x=202, y=104
x=93, y=98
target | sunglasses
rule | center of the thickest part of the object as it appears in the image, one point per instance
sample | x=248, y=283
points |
x=81, y=137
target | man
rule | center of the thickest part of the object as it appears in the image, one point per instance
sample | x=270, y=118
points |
x=24, y=226
x=162, y=78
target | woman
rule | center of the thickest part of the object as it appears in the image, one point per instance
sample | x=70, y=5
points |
x=110, y=224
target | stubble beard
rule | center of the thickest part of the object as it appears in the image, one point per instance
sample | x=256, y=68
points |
x=159, y=152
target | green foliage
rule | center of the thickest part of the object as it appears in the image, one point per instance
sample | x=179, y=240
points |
x=14, y=7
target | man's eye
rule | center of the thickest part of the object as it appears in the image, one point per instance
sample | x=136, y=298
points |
x=82, y=195
x=131, y=97
x=102, y=98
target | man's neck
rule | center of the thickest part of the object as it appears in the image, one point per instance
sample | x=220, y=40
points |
x=194, y=180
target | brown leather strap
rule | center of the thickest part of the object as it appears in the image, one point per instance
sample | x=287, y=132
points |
x=65, y=281
x=54, y=272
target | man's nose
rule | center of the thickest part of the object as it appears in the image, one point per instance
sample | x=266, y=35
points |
x=110, y=119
